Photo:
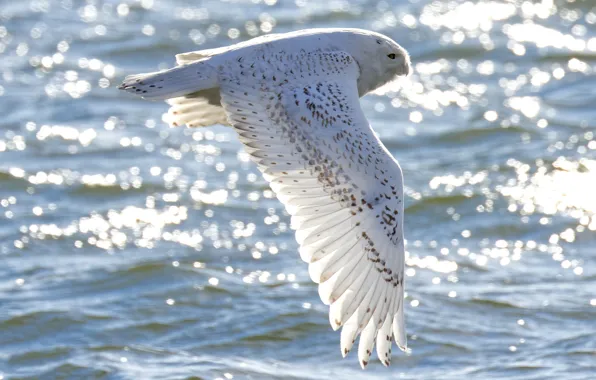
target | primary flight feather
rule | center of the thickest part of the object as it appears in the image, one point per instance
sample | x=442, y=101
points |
x=294, y=100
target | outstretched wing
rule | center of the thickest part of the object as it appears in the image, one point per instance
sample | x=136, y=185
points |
x=299, y=117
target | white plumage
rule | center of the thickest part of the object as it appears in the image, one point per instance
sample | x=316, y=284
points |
x=294, y=101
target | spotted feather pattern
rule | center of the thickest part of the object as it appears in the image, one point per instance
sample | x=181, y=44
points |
x=299, y=117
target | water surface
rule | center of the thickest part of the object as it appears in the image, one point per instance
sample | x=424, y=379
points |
x=135, y=251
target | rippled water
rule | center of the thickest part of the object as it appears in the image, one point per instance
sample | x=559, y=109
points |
x=134, y=251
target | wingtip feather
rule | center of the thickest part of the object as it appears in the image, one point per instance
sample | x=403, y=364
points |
x=399, y=330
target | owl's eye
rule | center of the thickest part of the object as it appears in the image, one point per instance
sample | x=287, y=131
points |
x=392, y=55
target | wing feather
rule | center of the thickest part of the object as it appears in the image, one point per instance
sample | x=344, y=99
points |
x=304, y=223
x=335, y=287
x=306, y=236
x=321, y=248
x=344, y=256
x=369, y=333
x=384, y=336
x=300, y=119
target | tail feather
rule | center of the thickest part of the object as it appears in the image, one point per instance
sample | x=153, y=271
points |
x=172, y=83
x=200, y=109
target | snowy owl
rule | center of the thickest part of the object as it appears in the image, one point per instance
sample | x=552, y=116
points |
x=293, y=98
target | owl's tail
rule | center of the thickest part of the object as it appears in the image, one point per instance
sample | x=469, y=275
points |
x=172, y=83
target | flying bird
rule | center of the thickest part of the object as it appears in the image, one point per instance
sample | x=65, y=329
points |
x=293, y=98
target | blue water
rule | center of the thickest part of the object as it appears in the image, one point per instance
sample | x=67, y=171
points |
x=135, y=251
